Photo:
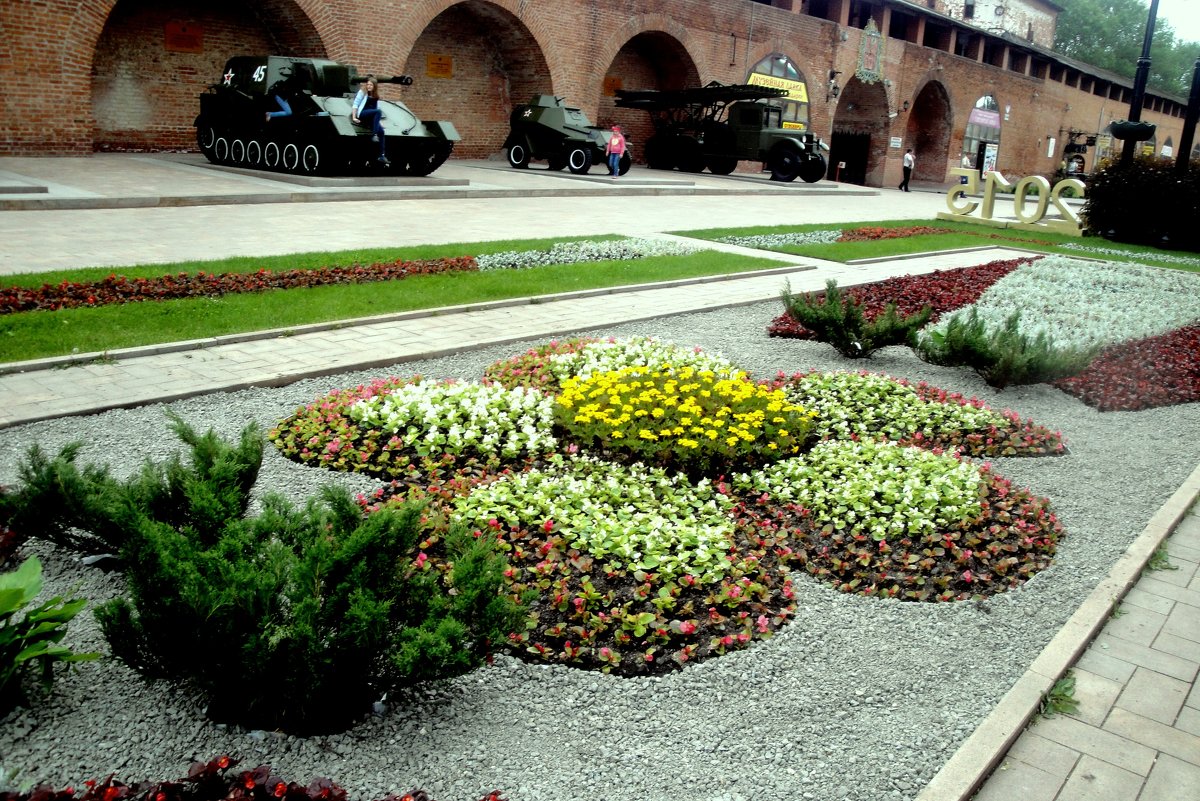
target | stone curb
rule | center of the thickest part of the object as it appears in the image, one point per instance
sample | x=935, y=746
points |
x=974, y=761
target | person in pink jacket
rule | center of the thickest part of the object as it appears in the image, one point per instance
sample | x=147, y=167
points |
x=615, y=149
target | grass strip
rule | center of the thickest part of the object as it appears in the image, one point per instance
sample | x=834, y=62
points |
x=41, y=334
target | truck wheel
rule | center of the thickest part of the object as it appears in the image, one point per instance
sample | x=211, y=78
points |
x=310, y=159
x=658, y=154
x=206, y=138
x=518, y=156
x=625, y=163
x=291, y=157
x=689, y=154
x=813, y=169
x=579, y=160
x=784, y=163
x=722, y=165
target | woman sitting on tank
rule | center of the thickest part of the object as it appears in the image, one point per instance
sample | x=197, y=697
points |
x=365, y=109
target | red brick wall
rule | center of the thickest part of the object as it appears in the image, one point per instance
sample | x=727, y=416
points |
x=80, y=74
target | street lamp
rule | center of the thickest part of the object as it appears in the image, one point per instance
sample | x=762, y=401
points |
x=1139, y=84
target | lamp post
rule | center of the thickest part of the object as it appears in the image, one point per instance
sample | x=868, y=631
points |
x=1139, y=83
x=1189, y=123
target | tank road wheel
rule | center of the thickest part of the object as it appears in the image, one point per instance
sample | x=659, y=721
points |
x=518, y=155
x=206, y=138
x=237, y=152
x=722, y=165
x=579, y=160
x=689, y=154
x=253, y=153
x=291, y=157
x=784, y=162
x=271, y=155
x=221, y=150
x=813, y=169
x=429, y=157
x=310, y=159
x=625, y=163
x=658, y=153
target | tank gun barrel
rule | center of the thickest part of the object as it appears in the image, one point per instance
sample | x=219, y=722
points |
x=401, y=80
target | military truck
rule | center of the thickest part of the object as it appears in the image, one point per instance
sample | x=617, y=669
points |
x=550, y=130
x=316, y=136
x=718, y=125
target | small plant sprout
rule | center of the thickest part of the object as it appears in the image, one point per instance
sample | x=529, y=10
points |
x=1061, y=698
x=1161, y=560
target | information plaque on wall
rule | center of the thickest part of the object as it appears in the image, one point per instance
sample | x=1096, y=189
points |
x=183, y=37
x=437, y=66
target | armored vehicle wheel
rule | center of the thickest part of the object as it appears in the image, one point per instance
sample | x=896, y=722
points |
x=310, y=159
x=291, y=157
x=206, y=138
x=237, y=152
x=722, y=165
x=658, y=154
x=254, y=153
x=221, y=150
x=579, y=160
x=429, y=157
x=518, y=156
x=271, y=155
x=813, y=169
x=625, y=163
x=689, y=155
x=784, y=162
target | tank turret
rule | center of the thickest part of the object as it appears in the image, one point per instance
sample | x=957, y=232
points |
x=548, y=129
x=293, y=115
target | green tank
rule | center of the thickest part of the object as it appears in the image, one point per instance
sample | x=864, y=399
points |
x=310, y=132
x=547, y=129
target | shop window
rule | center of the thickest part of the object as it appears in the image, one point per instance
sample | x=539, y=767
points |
x=779, y=71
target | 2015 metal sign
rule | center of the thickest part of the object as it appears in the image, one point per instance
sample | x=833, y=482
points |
x=1067, y=223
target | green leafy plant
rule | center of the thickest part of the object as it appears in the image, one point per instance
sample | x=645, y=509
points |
x=1160, y=560
x=838, y=319
x=1003, y=356
x=30, y=637
x=1060, y=699
x=292, y=618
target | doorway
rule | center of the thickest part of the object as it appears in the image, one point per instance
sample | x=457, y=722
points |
x=852, y=149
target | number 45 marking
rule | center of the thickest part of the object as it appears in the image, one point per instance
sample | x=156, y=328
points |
x=260, y=74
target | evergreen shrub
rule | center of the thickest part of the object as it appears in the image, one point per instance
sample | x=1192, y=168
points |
x=1146, y=202
x=838, y=319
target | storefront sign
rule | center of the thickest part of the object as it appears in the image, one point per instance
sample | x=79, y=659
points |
x=796, y=90
x=1027, y=219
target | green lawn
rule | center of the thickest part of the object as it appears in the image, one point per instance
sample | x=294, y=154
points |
x=958, y=235
x=39, y=334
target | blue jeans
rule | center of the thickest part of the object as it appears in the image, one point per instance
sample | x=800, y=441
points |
x=373, y=116
x=283, y=104
x=614, y=163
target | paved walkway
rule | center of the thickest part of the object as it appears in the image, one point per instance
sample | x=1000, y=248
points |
x=1136, y=735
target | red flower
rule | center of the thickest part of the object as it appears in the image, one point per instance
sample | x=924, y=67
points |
x=548, y=526
x=687, y=627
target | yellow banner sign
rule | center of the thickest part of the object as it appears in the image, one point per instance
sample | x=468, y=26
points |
x=798, y=126
x=438, y=66
x=796, y=90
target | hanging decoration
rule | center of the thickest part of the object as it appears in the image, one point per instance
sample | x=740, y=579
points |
x=870, y=55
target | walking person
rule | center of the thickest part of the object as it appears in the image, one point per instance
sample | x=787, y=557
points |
x=909, y=163
x=615, y=149
x=365, y=109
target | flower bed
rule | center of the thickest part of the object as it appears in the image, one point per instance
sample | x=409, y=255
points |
x=637, y=569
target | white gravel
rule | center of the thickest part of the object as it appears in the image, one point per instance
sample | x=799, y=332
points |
x=857, y=700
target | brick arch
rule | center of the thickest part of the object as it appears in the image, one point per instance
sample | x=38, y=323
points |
x=621, y=59
x=927, y=130
x=497, y=61
x=78, y=55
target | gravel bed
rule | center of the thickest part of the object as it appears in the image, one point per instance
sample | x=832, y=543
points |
x=856, y=700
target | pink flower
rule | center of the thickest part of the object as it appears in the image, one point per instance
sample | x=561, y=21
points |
x=687, y=627
x=762, y=623
x=968, y=576
x=548, y=526
x=743, y=637
x=422, y=558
